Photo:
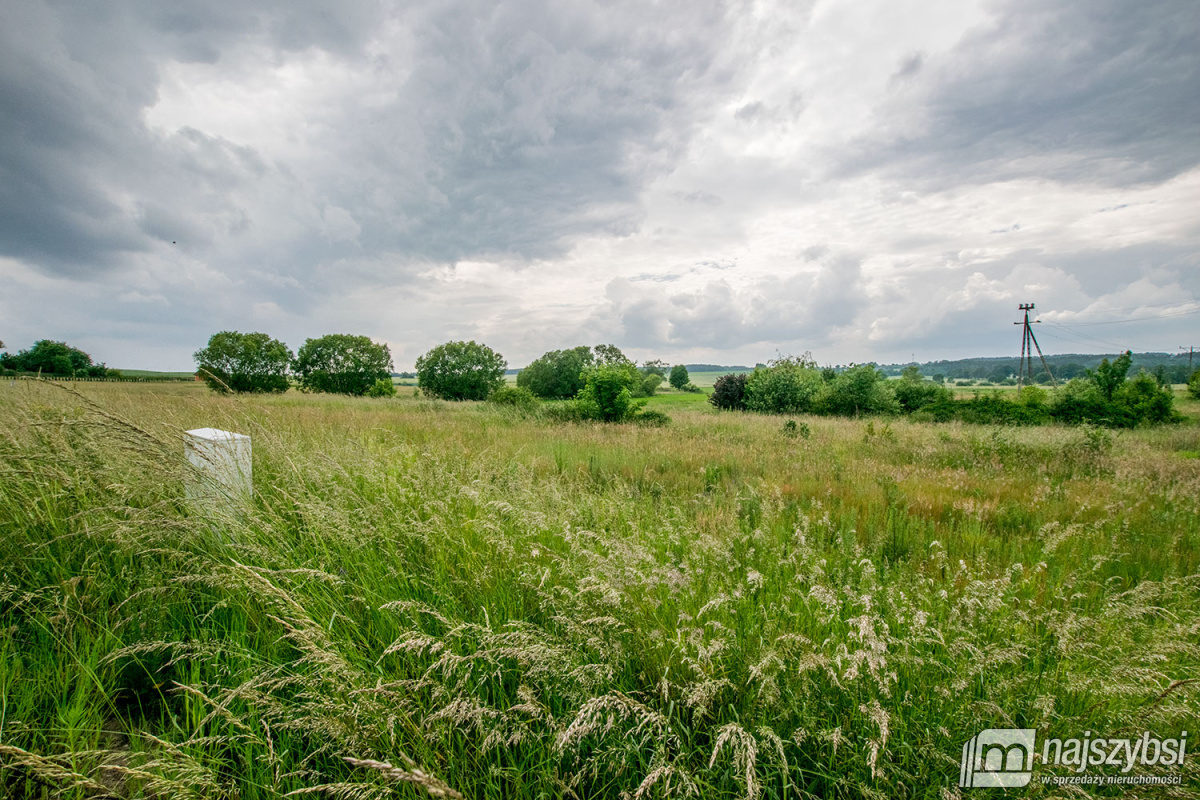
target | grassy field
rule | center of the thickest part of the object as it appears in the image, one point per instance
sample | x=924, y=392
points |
x=432, y=599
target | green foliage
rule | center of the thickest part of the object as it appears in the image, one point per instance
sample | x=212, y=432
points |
x=729, y=392
x=606, y=396
x=655, y=367
x=652, y=418
x=383, y=387
x=55, y=358
x=862, y=389
x=517, y=396
x=1193, y=385
x=646, y=386
x=558, y=374
x=679, y=376
x=1109, y=377
x=787, y=385
x=342, y=364
x=244, y=363
x=913, y=392
x=460, y=371
x=792, y=429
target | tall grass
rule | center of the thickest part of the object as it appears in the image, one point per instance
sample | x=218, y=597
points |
x=450, y=600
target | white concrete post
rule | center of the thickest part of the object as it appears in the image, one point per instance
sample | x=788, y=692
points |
x=223, y=461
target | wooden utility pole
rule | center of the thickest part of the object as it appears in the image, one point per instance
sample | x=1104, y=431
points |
x=1190, y=350
x=1028, y=343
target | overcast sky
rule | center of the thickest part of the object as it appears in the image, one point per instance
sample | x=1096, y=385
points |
x=692, y=181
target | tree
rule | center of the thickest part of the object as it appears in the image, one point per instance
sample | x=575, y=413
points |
x=679, y=376
x=656, y=367
x=460, y=371
x=1193, y=385
x=558, y=374
x=342, y=364
x=729, y=391
x=244, y=362
x=1109, y=377
x=54, y=358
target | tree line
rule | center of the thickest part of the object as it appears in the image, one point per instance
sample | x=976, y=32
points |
x=1103, y=396
x=48, y=357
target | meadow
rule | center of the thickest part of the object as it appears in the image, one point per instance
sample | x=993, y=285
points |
x=457, y=600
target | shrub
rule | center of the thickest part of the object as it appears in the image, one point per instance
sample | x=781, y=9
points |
x=460, y=371
x=647, y=386
x=383, y=387
x=679, y=376
x=342, y=364
x=652, y=418
x=244, y=362
x=558, y=374
x=913, y=392
x=786, y=385
x=691, y=388
x=606, y=395
x=729, y=392
x=861, y=389
x=993, y=408
x=1143, y=400
x=1193, y=385
x=515, y=396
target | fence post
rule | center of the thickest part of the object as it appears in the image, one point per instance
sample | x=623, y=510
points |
x=222, y=462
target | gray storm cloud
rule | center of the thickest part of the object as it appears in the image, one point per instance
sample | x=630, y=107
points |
x=859, y=179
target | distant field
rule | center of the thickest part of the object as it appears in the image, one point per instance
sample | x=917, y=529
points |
x=707, y=379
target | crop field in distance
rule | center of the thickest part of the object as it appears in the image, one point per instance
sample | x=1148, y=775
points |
x=430, y=599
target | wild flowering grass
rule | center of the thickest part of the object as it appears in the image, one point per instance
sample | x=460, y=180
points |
x=430, y=599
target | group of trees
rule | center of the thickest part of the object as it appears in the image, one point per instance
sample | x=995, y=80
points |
x=1103, y=396
x=562, y=374
x=54, y=358
x=255, y=363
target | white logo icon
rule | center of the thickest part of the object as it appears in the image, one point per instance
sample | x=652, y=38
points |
x=998, y=757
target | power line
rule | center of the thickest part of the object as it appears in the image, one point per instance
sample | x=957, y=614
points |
x=1136, y=319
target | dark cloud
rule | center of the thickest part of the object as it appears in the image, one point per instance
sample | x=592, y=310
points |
x=1101, y=92
x=505, y=129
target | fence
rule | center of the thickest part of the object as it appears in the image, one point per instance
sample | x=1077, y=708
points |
x=123, y=379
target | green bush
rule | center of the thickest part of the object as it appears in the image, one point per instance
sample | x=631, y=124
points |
x=244, y=362
x=383, y=387
x=652, y=418
x=460, y=371
x=679, y=376
x=342, y=364
x=516, y=396
x=862, y=389
x=913, y=392
x=729, y=392
x=1193, y=385
x=606, y=396
x=785, y=386
x=558, y=374
x=646, y=386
